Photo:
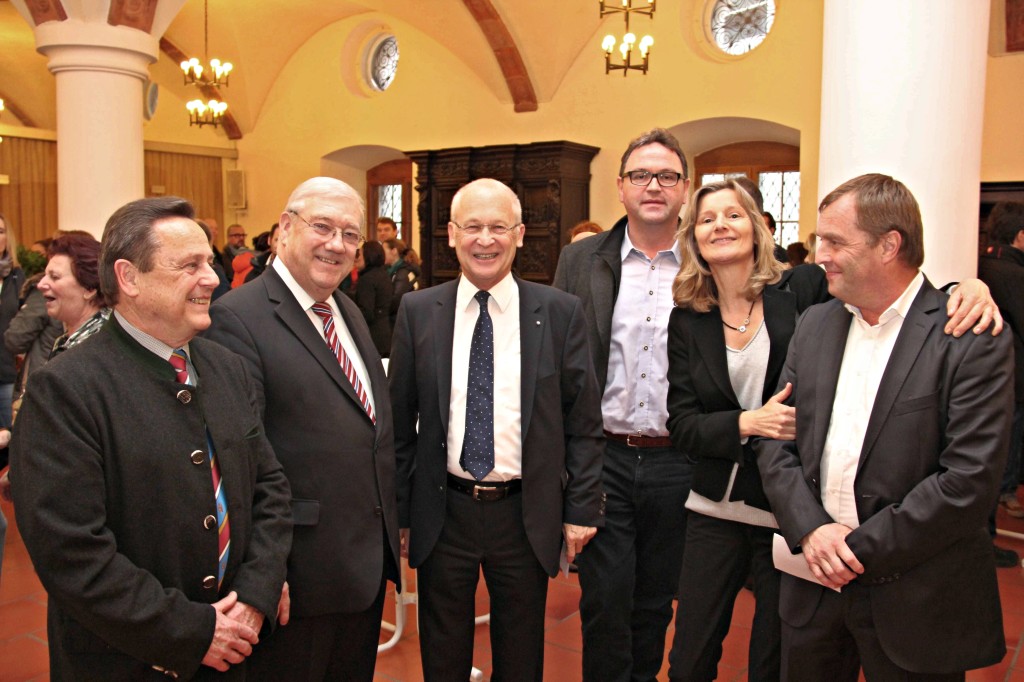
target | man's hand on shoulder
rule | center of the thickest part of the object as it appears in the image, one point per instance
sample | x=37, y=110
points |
x=576, y=538
x=971, y=304
x=830, y=559
x=232, y=640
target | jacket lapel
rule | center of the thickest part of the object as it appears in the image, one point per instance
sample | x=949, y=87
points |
x=444, y=337
x=710, y=342
x=921, y=320
x=298, y=322
x=831, y=338
x=780, y=321
x=531, y=331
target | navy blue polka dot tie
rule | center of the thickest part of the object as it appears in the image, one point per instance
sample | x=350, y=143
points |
x=478, y=445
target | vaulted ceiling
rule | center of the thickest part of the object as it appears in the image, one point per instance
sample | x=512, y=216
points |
x=520, y=50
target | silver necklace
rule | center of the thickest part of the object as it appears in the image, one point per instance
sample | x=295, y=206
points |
x=742, y=329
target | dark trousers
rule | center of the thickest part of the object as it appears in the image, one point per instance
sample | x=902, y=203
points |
x=719, y=556
x=629, y=572
x=839, y=639
x=491, y=536
x=336, y=646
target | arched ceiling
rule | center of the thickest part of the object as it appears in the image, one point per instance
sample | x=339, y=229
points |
x=511, y=45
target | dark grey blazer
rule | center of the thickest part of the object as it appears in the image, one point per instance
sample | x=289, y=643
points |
x=563, y=448
x=926, y=482
x=592, y=269
x=111, y=502
x=341, y=467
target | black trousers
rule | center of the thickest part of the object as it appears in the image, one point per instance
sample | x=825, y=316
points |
x=839, y=639
x=719, y=556
x=488, y=536
x=629, y=572
x=336, y=646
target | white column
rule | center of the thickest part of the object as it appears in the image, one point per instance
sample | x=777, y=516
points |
x=100, y=70
x=903, y=90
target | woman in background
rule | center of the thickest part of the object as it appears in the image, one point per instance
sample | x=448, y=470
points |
x=11, y=281
x=373, y=296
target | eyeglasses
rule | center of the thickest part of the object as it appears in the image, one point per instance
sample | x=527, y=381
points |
x=495, y=230
x=350, y=237
x=643, y=177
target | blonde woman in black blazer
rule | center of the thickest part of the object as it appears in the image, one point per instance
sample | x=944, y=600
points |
x=727, y=342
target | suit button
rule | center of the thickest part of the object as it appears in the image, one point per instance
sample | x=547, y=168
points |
x=197, y=456
x=210, y=522
x=209, y=582
x=378, y=511
x=184, y=397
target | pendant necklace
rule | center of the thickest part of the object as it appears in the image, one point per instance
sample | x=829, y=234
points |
x=742, y=329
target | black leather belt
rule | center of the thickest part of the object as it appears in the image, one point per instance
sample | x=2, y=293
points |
x=489, y=491
x=636, y=441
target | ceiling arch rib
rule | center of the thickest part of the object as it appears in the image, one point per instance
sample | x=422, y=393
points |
x=506, y=52
x=17, y=112
x=209, y=91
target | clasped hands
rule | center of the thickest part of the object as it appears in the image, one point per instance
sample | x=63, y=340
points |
x=237, y=629
x=828, y=556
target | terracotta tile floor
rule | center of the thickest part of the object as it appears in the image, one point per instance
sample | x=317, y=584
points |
x=23, y=626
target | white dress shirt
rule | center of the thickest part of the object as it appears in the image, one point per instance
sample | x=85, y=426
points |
x=636, y=391
x=503, y=307
x=340, y=328
x=868, y=348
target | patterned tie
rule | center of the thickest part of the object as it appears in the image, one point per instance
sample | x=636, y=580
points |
x=177, y=361
x=323, y=311
x=478, y=445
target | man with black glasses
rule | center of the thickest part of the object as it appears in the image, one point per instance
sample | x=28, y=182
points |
x=630, y=571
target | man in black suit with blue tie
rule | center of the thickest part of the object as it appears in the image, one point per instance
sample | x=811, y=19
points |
x=507, y=457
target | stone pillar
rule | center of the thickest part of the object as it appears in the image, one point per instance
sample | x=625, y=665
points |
x=903, y=93
x=100, y=71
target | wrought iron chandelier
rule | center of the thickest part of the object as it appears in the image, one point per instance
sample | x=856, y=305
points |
x=626, y=46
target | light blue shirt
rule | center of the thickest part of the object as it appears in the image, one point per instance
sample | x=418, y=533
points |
x=636, y=391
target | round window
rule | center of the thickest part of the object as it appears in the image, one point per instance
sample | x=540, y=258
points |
x=382, y=62
x=738, y=26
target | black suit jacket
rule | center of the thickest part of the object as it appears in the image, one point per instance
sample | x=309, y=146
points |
x=563, y=446
x=341, y=467
x=926, y=482
x=703, y=411
x=111, y=504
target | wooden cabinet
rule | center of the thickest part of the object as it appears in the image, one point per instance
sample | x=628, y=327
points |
x=551, y=179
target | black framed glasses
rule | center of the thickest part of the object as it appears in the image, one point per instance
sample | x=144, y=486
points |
x=643, y=177
x=495, y=230
x=349, y=236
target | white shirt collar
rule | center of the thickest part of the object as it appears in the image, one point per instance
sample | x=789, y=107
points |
x=501, y=292
x=901, y=306
x=301, y=295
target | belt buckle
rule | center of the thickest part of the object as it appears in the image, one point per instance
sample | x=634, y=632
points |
x=478, y=488
x=630, y=437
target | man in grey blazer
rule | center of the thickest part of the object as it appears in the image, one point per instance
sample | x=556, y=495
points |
x=901, y=438
x=507, y=457
x=323, y=396
x=150, y=501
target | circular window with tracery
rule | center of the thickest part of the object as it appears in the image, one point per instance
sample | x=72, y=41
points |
x=382, y=62
x=738, y=26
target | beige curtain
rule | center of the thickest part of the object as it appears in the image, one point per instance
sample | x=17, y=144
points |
x=196, y=178
x=29, y=201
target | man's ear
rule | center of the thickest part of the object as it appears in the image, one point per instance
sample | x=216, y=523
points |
x=1018, y=240
x=891, y=243
x=127, y=277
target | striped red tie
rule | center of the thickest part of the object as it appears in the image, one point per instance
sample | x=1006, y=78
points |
x=223, y=526
x=323, y=311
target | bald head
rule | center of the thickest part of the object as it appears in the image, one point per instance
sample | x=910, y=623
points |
x=492, y=191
